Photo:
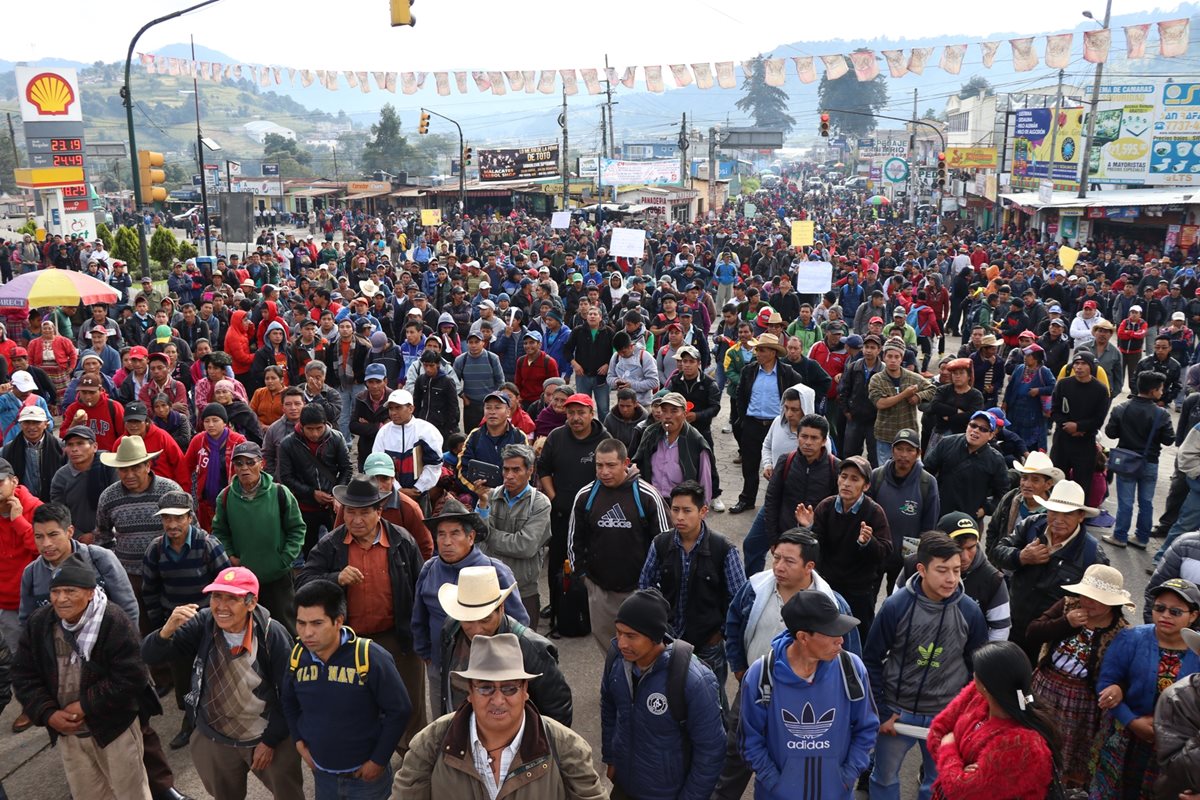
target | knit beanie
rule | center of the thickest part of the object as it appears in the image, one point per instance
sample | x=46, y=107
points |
x=74, y=572
x=214, y=410
x=646, y=611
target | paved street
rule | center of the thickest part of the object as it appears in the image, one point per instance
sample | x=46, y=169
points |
x=30, y=769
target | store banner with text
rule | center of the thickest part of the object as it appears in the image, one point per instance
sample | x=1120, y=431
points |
x=971, y=158
x=1032, y=135
x=519, y=163
x=615, y=173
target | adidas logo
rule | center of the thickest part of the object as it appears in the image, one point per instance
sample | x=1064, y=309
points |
x=808, y=726
x=614, y=518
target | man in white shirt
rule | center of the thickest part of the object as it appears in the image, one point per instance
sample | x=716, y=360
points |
x=414, y=445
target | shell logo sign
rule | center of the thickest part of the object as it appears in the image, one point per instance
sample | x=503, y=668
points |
x=48, y=95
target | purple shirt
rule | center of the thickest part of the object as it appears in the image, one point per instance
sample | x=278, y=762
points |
x=664, y=463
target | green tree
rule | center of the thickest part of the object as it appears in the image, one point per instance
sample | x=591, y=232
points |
x=387, y=149
x=766, y=104
x=293, y=161
x=163, y=247
x=8, y=163
x=126, y=247
x=186, y=250
x=105, y=235
x=852, y=95
x=178, y=173
x=974, y=85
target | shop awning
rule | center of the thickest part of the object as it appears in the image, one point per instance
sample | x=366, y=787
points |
x=1105, y=198
x=312, y=192
x=410, y=192
x=364, y=195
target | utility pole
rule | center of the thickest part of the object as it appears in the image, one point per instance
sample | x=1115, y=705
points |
x=200, y=159
x=1095, y=107
x=683, y=152
x=600, y=171
x=912, y=167
x=1054, y=130
x=712, y=170
x=566, y=157
x=612, y=125
x=336, y=179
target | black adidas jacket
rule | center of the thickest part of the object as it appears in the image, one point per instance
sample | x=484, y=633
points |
x=608, y=540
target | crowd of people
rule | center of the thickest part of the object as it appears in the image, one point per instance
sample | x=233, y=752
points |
x=339, y=497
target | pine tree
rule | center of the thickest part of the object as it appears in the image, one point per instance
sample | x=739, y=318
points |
x=766, y=104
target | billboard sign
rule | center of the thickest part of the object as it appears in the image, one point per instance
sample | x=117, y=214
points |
x=1175, y=147
x=615, y=173
x=971, y=158
x=519, y=163
x=49, y=94
x=1033, y=132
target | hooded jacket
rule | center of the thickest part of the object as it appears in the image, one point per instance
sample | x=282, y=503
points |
x=918, y=651
x=1176, y=719
x=427, y=614
x=912, y=503
x=110, y=576
x=237, y=343
x=198, y=463
x=193, y=641
x=170, y=462
x=17, y=548
x=786, y=741
x=251, y=531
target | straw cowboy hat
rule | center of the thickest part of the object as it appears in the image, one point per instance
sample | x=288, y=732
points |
x=1038, y=463
x=1104, y=584
x=772, y=341
x=476, y=594
x=496, y=658
x=989, y=341
x=130, y=453
x=369, y=288
x=1067, y=496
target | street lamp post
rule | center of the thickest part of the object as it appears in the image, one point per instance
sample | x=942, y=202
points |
x=1085, y=163
x=127, y=97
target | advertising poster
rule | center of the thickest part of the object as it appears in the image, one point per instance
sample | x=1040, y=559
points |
x=1175, y=147
x=1124, y=127
x=971, y=158
x=1032, y=135
x=518, y=163
x=616, y=173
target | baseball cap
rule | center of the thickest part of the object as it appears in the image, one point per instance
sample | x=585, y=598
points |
x=137, y=411
x=237, y=581
x=815, y=612
x=859, y=463
x=32, y=414
x=174, y=504
x=1184, y=588
x=23, y=381
x=688, y=351
x=379, y=464
x=874, y=320
x=375, y=372
x=1179, y=315
x=400, y=397
x=579, y=398
x=81, y=432
x=674, y=399
x=907, y=436
x=986, y=417
x=854, y=341
x=247, y=450
x=1055, y=309
x=1132, y=308
x=957, y=524
x=535, y=335
x=502, y=396
x=137, y=351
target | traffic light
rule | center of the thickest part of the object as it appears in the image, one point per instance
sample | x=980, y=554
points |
x=824, y=124
x=467, y=154
x=402, y=13
x=153, y=178
x=423, y=125
x=941, y=171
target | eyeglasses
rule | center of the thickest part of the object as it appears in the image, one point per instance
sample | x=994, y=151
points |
x=489, y=689
x=1174, y=611
x=980, y=428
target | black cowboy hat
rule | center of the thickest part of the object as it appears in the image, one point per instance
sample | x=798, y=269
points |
x=452, y=509
x=359, y=493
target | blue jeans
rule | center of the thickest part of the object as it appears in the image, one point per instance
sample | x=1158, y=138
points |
x=597, y=387
x=1189, y=519
x=883, y=452
x=754, y=546
x=889, y=756
x=344, y=787
x=1144, y=486
x=348, y=396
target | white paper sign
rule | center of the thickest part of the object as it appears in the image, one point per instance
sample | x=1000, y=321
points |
x=814, y=277
x=631, y=243
x=560, y=219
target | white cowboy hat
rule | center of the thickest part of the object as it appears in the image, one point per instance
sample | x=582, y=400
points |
x=1038, y=463
x=130, y=452
x=772, y=341
x=369, y=288
x=476, y=594
x=1104, y=584
x=496, y=658
x=1067, y=496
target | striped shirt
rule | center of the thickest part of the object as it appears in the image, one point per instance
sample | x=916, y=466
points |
x=480, y=374
x=129, y=520
x=171, y=579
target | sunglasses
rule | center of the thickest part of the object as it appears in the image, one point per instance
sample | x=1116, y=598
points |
x=1174, y=611
x=980, y=428
x=489, y=689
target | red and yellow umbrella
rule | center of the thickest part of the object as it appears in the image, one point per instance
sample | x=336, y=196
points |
x=55, y=287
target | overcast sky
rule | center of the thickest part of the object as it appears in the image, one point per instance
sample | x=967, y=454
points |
x=519, y=34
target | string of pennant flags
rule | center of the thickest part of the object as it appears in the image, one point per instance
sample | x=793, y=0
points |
x=1173, y=35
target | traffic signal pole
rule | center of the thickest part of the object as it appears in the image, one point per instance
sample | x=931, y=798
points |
x=128, y=100
x=462, y=166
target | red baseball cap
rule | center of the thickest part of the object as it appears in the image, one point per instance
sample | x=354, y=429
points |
x=582, y=399
x=137, y=351
x=875, y=319
x=1023, y=334
x=1089, y=304
x=21, y=352
x=236, y=581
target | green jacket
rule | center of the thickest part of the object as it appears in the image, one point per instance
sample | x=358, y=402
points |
x=251, y=530
x=735, y=360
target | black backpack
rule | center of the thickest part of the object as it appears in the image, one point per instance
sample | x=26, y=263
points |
x=677, y=672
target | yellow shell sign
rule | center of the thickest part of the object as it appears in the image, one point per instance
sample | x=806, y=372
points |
x=50, y=94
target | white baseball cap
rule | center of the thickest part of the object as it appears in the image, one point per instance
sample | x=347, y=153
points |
x=23, y=381
x=400, y=397
x=32, y=414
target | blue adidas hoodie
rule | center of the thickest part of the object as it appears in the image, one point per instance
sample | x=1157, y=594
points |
x=810, y=741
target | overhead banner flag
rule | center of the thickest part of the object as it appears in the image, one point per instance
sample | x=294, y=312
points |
x=806, y=71
x=519, y=163
x=897, y=65
x=1135, y=40
x=865, y=66
x=987, y=51
x=613, y=172
x=952, y=58
x=1058, y=50
x=1096, y=44
x=1173, y=37
x=917, y=59
x=1024, y=57
x=835, y=66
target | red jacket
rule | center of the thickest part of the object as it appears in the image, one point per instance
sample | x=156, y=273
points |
x=170, y=463
x=16, y=549
x=106, y=419
x=237, y=343
x=1131, y=335
x=530, y=378
x=832, y=362
x=196, y=459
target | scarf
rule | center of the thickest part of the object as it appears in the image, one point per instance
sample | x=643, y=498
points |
x=171, y=423
x=83, y=634
x=213, y=483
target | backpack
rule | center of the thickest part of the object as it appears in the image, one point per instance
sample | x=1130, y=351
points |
x=926, y=483
x=280, y=498
x=914, y=314
x=362, y=657
x=855, y=690
x=677, y=672
x=637, y=500
x=787, y=467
